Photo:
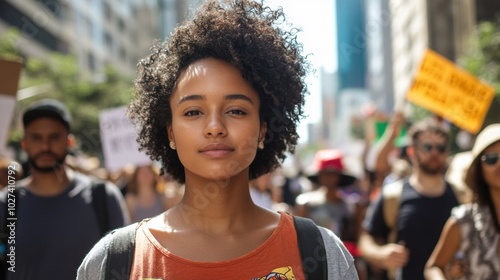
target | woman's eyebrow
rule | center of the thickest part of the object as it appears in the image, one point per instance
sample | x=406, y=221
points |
x=190, y=97
x=237, y=96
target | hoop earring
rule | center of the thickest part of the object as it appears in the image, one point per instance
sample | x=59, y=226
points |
x=172, y=145
x=261, y=145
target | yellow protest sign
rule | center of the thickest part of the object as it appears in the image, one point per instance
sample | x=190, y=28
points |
x=445, y=89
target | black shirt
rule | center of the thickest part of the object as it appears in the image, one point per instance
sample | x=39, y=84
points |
x=420, y=221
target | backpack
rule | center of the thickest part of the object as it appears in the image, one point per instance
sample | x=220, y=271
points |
x=311, y=247
x=99, y=203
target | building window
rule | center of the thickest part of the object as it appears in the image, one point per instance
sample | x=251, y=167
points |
x=53, y=6
x=30, y=29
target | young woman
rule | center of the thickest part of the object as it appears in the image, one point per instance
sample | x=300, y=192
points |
x=218, y=105
x=468, y=247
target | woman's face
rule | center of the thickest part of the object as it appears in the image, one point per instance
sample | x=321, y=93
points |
x=491, y=171
x=215, y=120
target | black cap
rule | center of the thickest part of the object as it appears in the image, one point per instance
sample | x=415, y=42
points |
x=47, y=108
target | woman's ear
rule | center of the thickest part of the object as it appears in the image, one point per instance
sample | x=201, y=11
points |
x=262, y=132
x=170, y=133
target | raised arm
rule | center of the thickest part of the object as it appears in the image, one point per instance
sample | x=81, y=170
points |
x=386, y=144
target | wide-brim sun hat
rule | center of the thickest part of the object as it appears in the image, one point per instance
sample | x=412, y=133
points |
x=330, y=160
x=488, y=136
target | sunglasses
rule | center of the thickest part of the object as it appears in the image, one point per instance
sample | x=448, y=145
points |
x=427, y=148
x=490, y=158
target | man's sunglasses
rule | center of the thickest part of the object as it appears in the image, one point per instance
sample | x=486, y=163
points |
x=490, y=158
x=427, y=148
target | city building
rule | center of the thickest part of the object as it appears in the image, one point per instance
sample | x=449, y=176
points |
x=350, y=87
x=98, y=32
x=399, y=32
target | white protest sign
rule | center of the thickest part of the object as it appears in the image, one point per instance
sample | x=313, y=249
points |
x=118, y=136
x=7, y=106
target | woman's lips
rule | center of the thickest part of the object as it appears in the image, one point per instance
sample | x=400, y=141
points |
x=216, y=150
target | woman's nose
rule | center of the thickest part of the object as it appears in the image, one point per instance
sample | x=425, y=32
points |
x=215, y=126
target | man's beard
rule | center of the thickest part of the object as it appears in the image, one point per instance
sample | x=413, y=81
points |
x=426, y=168
x=59, y=162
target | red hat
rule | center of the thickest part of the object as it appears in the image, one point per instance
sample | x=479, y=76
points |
x=330, y=160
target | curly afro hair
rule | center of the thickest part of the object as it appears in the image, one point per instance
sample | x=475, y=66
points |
x=247, y=35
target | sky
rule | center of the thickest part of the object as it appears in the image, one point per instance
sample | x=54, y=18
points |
x=316, y=19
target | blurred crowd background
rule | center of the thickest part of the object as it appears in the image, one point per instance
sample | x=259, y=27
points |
x=84, y=53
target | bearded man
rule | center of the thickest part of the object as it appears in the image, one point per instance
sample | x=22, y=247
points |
x=424, y=202
x=53, y=215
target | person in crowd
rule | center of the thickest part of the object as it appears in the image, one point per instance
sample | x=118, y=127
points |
x=143, y=197
x=218, y=105
x=402, y=226
x=328, y=205
x=58, y=220
x=468, y=247
x=385, y=161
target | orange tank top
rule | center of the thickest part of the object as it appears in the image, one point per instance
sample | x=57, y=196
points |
x=277, y=258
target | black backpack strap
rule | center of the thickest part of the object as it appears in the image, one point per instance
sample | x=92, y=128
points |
x=312, y=249
x=99, y=202
x=121, y=253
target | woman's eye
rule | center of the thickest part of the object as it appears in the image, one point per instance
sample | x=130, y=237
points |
x=192, y=113
x=237, y=112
